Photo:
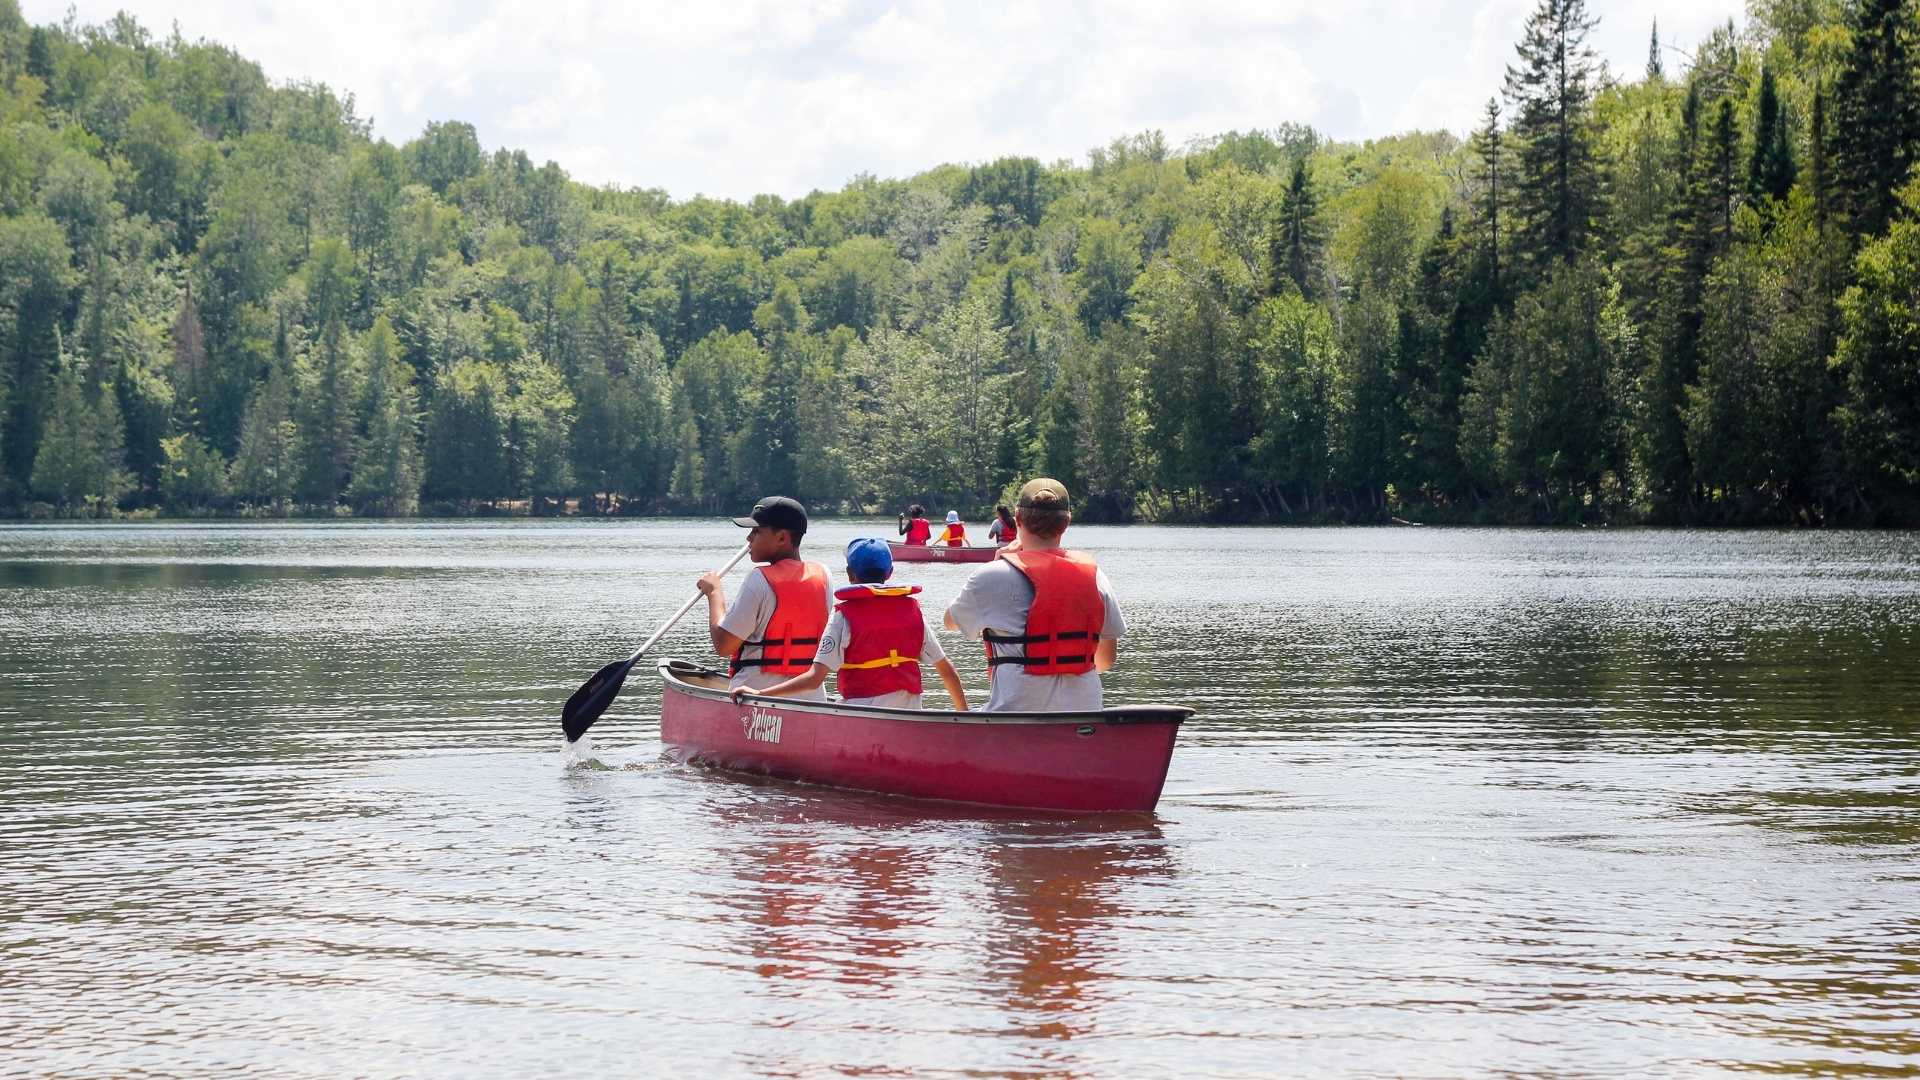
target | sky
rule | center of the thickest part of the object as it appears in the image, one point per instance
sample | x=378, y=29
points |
x=733, y=98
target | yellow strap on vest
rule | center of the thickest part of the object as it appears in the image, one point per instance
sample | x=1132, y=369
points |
x=892, y=659
x=891, y=590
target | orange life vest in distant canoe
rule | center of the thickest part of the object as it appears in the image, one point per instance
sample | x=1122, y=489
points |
x=918, y=530
x=955, y=535
x=1066, y=618
x=792, y=635
x=885, y=631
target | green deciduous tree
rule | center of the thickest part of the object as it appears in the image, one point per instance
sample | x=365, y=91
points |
x=193, y=475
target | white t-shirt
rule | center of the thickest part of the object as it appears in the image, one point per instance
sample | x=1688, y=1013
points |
x=996, y=598
x=746, y=619
x=833, y=653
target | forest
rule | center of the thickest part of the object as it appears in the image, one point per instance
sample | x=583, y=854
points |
x=1685, y=295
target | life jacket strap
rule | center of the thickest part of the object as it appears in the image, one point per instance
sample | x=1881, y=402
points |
x=1032, y=639
x=765, y=661
x=892, y=659
x=1036, y=661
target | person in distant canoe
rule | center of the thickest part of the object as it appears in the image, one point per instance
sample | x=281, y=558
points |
x=915, y=527
x=1003, y=531
x=877, y=640
x=955, y=534
x=773, y=627
x=1048, y=615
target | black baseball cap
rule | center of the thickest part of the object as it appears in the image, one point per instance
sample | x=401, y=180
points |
x=776, y=512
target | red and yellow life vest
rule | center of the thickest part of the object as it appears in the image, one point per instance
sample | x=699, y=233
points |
x=954, y=535
x=885, y=631
x=1064, y=623
x=918, y=530
x=787, y=645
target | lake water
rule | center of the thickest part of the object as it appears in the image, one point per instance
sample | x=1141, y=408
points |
x=292, y=801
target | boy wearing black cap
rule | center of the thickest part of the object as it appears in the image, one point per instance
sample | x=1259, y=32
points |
x=772, y=629
x=877, y=640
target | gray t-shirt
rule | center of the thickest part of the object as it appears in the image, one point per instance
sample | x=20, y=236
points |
x=996, y=598
x=746, y=619
x=833, y=653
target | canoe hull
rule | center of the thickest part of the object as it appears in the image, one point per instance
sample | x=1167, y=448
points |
x=1114, y=760
x=940, y=553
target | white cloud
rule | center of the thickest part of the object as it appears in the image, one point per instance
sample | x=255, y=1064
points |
x=735, y=98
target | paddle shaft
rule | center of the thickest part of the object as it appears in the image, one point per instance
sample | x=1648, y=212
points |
x=686, y=607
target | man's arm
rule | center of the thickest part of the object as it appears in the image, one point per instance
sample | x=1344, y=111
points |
x=951, y=679
x=1104, y=653
x=723, y=643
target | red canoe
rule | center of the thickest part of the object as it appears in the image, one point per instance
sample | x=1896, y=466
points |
x=1090, y=762
x=940, y=552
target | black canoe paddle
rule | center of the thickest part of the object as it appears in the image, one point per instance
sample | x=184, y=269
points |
x=592, y=699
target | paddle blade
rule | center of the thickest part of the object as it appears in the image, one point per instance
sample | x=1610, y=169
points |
x=592, y=699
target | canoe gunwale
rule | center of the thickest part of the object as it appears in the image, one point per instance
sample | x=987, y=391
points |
x=672, y=672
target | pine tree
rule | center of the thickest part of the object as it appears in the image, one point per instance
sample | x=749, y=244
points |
x=1487, y=144
x=1557, y=195
x=1819, y=165
x=386, y=479
x=81, y=459
x=1297, y=238
x=190, y=376
x=1721, y=176
x=1771, y=169
x=326, y=405
x=267, y=466
x=1876, y=114
x=1656, y=68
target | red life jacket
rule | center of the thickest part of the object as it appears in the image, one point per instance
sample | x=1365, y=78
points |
x=918, y=530
x=1064, y=623
x=787, y=645
x=954, y=535
x=884, y=633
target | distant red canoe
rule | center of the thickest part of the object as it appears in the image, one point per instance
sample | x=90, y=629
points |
x=940, y=553
x=1092, y=762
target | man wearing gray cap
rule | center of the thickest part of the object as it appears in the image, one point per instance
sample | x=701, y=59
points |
x=773, y=627
x=1047, y=614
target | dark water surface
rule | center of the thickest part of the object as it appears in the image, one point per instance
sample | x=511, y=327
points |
x=291, y=801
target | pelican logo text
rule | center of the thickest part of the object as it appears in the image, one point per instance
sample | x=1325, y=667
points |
x=762, y=726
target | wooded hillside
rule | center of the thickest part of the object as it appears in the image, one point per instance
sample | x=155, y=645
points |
x=1689, y=294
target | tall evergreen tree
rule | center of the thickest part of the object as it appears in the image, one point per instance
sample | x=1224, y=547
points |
x=1557, y=193
x=1297, y=239
x=81, y=461
x=1876, y=113
x=1656, y=67
x=1771, y=168
x=1819, y=165
x=1487, y=144
x=1879, y=360
x=1720, y=176
x=267, y=467
x=328, y=398
x=387, y=476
